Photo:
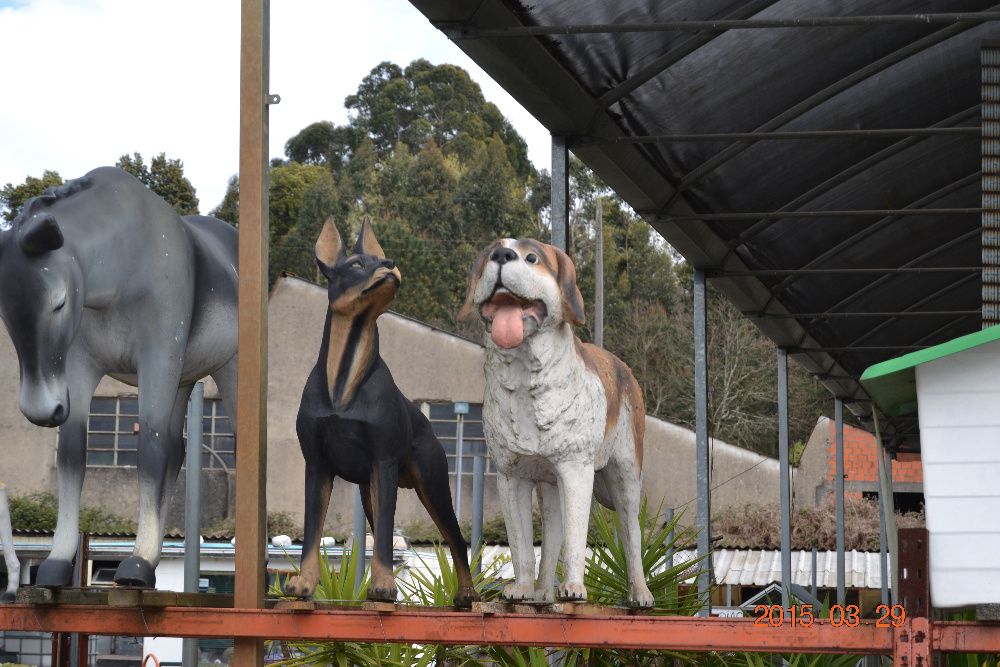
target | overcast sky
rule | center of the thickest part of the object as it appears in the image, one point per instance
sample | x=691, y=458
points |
x=88, y=80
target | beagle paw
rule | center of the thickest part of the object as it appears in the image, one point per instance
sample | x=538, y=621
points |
x=517, y=592
x=572, y=592
x=639, y=596
x=300, y=586
x=545, y=594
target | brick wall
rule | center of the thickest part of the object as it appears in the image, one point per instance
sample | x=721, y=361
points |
x=861, y=462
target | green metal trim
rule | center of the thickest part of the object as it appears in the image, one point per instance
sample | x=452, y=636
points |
x=892, y=384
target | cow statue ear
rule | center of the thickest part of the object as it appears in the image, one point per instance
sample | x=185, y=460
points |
x=40, y=234
x=367, y=243
x=329, y=247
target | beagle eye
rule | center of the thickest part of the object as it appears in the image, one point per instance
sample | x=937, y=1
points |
x=531, y=258
x=356, y=264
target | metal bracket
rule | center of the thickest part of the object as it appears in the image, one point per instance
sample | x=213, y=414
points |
x=272, y=98
x=913, y=644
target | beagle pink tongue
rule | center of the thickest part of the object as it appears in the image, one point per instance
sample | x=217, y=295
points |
x=508, y=329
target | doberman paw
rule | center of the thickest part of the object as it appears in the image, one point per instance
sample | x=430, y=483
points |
x=53, y=573
x=464, y=597
x=382, y=588
x=570, y=591
x=518, y=592
x=300, y=586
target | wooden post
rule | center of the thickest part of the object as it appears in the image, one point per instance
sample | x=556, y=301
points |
x=251, y=397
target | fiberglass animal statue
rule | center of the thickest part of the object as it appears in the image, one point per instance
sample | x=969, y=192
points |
x=101, y=277
x=353, y=421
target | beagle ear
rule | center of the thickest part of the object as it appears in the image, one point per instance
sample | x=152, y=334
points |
x=40, y=234
x=475, y=273
x=572, y=300
x=329, y=247
x=367, y=244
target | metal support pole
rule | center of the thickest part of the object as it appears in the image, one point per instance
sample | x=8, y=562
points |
x=459, y=456
x=814, y=588
x=599, y=276
x=192, y=508
x=360, y=538
x=838, y=485
x=784, y=477
x=703, y=474
x=883, y=554
x=251, y=398
x=892, y=533
x=478, y=489
x=559, y=212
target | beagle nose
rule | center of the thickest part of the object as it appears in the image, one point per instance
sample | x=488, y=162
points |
x=503, y=255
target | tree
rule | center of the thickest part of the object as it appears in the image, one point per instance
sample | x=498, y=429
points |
x=431, y=102
x=166, y=178
x=13, y=197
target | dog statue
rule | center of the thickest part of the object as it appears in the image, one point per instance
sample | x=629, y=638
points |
x=354, y=422
x=7, y=544
x=558, y=413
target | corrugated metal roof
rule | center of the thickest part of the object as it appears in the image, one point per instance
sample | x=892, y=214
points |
x=621, y=98
x=745, y=567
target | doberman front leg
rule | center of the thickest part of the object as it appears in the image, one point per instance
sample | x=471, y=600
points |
x=384, y=487
x=319, y=484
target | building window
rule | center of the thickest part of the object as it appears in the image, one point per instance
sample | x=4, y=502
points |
x=218, y=446
x=446, y=427
x=113, y=439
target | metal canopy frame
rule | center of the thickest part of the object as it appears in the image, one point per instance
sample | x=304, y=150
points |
x=542, y=77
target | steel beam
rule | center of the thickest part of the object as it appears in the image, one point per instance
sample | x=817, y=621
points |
x=838, y=486
x=853, y=314
x=784, y=478
x=251, y=398
x=467, y=31
x=703, y=465
x=843, y=270
x=776, y=135
x=559, y=211
x=809, y=215
x=462, y=628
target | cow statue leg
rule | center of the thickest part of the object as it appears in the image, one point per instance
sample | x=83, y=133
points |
x=161, y=450
x=71, y=465
x=7, y=544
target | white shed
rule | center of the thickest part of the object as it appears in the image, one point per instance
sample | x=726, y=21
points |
x=955, y=390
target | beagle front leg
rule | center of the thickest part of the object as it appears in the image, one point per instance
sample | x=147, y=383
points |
x=515, y=500
x=576, y=488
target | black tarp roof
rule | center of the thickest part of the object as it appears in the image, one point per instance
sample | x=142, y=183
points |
x=600, y=88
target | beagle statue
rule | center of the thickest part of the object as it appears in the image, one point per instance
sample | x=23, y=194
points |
x=561, y=415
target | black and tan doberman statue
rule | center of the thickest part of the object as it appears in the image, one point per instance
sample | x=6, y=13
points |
x=354, y=422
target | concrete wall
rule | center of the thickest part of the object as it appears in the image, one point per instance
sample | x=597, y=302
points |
x=428, y=365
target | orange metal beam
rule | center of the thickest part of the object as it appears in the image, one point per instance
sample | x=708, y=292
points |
x=965, y=637
x=449, y=627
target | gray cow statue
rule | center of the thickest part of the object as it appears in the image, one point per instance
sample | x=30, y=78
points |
x=100, y=276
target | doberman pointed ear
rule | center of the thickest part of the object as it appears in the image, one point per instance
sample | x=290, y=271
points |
x=40, y=234
x=572, y=300
x=329, y=247
x=475, y=273
x=367, y=243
